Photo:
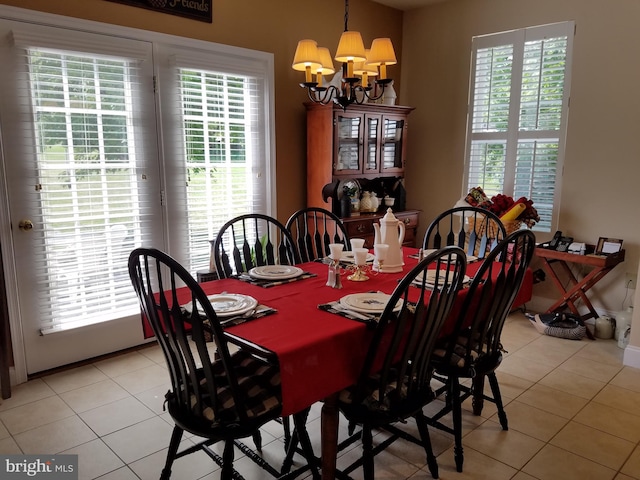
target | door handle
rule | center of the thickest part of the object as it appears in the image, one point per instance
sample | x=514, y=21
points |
x=25, y=225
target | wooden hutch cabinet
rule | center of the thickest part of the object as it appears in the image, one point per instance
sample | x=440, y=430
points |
x=361, y=226
x=365, y=143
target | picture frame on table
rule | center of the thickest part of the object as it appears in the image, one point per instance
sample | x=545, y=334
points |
x=607, y=246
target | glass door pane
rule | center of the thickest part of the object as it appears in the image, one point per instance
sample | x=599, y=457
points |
x=371, y=144
x=392, y=141
x=348, y=144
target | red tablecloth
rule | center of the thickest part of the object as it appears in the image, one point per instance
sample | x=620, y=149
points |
x=320, y=352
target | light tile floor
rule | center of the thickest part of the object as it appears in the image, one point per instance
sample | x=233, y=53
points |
x=574, y=413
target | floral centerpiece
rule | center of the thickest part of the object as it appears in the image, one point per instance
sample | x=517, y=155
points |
x=505, y=207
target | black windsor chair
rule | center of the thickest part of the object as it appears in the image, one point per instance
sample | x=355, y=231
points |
x=476, y=230
x=394, y=382
x=474, y=350
x=252, y=240
x=221, y=397
x=313, y=229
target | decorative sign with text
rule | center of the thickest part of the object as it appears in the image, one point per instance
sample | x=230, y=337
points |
x=197, y=9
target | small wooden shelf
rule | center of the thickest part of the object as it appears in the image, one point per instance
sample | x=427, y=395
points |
x=576, y=289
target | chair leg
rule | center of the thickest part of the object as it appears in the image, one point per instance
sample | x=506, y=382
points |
x=454, y=394
x=367, y=453
x=497, y=398
x=257, y=440
x=477, y=400
x=176, y=436
x=300, y=424
x=300, y=435
x=421, y=422
x=351, y=428
x=287, y=432
x=227, y=461
x=290, y=449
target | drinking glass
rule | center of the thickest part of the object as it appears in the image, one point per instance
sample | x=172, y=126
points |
x=357, y=243
x=335, y=250
x=360, y=256
x=380, y=251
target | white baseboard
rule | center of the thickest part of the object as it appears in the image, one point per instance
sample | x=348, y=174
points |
x=631, y=356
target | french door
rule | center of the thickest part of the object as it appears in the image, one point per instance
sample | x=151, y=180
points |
x=108, y=144
x=86, y=188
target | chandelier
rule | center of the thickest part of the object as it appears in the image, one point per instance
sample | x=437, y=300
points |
x=358, y=65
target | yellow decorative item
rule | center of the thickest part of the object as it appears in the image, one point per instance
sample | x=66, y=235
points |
x=513, y=213
x=492, y=229
x=504, y=206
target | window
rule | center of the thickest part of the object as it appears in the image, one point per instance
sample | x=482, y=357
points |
x=87, y=171
x=519, y=97
x=220, y=154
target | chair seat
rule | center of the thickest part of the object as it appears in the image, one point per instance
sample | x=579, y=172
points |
x=462, y=355
x=394, y=400
x=258, y=382
x=485, y=362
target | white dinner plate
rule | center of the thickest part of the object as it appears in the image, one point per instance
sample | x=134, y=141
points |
x=428, y=251
x=431, y=278
x=347, y=257
x=229, y=304
x=275, y=272
x=373, y=303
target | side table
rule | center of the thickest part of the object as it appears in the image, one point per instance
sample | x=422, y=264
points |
x=576, y=289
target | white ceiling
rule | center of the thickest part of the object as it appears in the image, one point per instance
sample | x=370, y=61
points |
x=407, y=4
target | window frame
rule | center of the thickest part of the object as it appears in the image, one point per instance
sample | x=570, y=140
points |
x=513, y=134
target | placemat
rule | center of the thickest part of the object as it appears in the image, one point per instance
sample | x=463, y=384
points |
x=245, y=277
x=338, y=309
x=259, y=312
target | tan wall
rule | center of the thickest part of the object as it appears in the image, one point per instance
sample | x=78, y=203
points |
x=274, y=26
x=602, y=166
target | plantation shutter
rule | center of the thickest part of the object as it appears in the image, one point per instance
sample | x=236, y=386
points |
x=220, y=154
x=78, y=111
x=518, y=111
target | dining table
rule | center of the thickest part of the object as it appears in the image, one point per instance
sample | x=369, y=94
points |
x=320, y=352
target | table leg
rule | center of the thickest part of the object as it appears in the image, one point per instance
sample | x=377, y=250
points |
x=329, y=432
x=564, y=299
x=577, y=291
x=580, y=288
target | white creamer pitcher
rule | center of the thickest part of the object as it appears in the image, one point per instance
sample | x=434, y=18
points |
x=390, y=232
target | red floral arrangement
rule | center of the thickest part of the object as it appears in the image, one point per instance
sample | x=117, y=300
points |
x=501, y=204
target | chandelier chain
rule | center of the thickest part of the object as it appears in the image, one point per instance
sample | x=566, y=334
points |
x=346, y=15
